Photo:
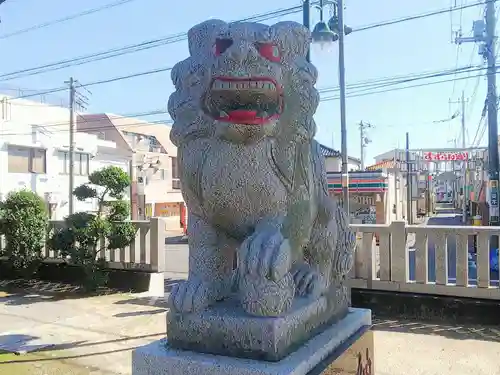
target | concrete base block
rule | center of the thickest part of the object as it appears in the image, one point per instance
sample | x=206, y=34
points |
x=226, y=329
x=156, y=285
x=159, y=359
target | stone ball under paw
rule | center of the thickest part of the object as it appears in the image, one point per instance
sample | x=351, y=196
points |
x=263, y=297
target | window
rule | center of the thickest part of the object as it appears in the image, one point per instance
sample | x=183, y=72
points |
x=175, y=168
x=176, y=183
x=26, y=160
x=81, y=163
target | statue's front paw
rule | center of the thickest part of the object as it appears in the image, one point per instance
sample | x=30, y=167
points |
x=266, y=254
x=190, y=296
x=308, y=282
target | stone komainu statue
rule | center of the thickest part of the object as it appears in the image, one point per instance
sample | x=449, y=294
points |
x=252, y=175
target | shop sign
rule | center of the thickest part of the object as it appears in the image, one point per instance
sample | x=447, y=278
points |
x=446, y=156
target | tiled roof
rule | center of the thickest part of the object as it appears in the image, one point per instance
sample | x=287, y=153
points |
x=329, y=152
x=384, y=164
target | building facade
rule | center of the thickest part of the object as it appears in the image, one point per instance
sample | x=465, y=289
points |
x=156, y=189
x=34, y=153
x=333, y=160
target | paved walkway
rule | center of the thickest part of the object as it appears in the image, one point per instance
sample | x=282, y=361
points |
x=95, y=336
x=92, y=335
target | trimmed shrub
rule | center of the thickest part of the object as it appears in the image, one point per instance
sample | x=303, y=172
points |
x=81, y=238
x=24, y=224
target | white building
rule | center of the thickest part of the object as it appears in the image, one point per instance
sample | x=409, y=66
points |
x=34, y=144
x=333, y=160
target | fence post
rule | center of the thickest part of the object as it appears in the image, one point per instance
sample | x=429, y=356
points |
x=399, y=263
x=157, y=244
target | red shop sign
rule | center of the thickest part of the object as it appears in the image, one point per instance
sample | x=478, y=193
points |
x=446, y=156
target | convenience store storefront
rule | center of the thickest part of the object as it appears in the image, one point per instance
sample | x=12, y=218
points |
x=367, y=195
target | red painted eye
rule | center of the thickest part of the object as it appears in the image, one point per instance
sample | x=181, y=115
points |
x=221, y=45
x=270, y=51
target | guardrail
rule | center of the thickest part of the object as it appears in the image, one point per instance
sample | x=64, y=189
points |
x=425, y=259
x=146, y=253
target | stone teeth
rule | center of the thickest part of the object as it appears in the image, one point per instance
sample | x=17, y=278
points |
x=243, y=85
x=222, y=114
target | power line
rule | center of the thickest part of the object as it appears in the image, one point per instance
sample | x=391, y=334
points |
x=65, y=19
x=154, y=71
x=458, y=45
x=419, y=76
x=59, y=89
x=152, y=112
x=93, y=129
x=355, y=94
x=371, y=83
x=133, y=48
x=358, y=94
x=481, y=126
x=422, y=15
x=148, y=44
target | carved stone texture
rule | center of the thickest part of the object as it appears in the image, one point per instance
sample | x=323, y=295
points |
x=227, y=329
x=252, y=176
x=340, y=339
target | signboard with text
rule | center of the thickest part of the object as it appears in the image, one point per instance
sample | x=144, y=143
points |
x=494, y=201
x=446, y=156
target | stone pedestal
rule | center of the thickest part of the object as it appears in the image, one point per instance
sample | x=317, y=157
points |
x=314, y=357
x=225, y=329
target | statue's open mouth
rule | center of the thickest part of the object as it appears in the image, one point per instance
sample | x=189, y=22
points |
x=251, y=101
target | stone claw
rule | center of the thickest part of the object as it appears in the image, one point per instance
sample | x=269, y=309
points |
x=266, y=254
x=190, y=296
x=308, y=282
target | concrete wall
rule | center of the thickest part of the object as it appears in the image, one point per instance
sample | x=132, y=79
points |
x=334, y=164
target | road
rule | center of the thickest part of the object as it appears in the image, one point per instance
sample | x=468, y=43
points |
x=446, y=216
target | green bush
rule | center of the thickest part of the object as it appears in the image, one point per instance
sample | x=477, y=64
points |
x=24, y=224
x=81, y=238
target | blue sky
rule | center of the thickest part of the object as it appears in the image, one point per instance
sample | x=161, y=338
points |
x=405, y=48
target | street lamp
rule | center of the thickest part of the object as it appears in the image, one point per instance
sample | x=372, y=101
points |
x=323, y=34
x=330, y=32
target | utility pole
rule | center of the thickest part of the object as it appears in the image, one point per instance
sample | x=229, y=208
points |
x=72, y=126
x=364, y=140
x=462, y=102
x=492, y=116
x=464, y=164
x=408, y=181
x=484, y=34
x=306, y=9
x=395, y=184
x=343, y=125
